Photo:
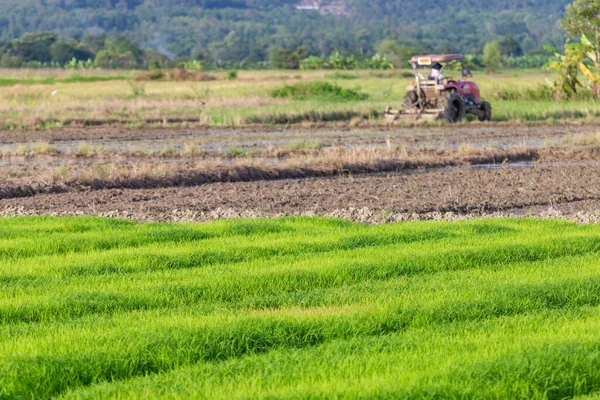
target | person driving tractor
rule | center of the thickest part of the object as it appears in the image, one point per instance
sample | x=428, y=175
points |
x=436, y=73
x=437, y=96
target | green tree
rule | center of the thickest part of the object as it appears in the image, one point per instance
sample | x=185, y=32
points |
x=397, y=54
x=509, y=46
x=492, y=56
x=34, y=46
x=285, y=59
x=62, y=51
x=9, y=60
x=313, y=62
x=582, y=19
x=566, y=65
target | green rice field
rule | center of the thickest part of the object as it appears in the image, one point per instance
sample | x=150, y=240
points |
x=298, y=308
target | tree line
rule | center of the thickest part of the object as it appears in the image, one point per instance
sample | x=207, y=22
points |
x=50, y=50
x=239, y=33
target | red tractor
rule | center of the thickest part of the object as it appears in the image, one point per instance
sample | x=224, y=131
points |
x=432, y=96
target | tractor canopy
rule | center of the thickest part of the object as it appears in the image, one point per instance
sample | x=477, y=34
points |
x=429, y=59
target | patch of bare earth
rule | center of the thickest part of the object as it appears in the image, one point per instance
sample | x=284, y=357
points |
x=453, y=193
x=385, y=174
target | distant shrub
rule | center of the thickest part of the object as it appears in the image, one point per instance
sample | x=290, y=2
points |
x=540, y=92
x=337, y=61
x=232, y=75
x=177, y=74
x=137, y=89
x=378, y=61
x=193, y=65
x=153, y=75
x=80, y=64
x=313, y=62
x=529, y=61
x=318, y=90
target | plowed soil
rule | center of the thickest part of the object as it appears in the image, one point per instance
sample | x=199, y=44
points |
x=517, y=191
x=565, y=189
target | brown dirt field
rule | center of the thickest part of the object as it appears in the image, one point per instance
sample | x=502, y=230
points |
x=32, y=183
x=371, y=198
x=449, y=133
x=564, y=182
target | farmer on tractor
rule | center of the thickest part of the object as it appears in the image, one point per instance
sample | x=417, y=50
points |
x=436, y=96
x=436, y=73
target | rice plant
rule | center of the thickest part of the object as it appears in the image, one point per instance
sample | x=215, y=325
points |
x=298, y=307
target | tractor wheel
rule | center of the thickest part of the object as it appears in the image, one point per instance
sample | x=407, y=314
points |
x=410, y=100
x=485, y=114
x=454, y=108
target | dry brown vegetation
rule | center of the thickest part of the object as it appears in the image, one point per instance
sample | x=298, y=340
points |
x=145, y=170
x=367, y=175
x=175, y=75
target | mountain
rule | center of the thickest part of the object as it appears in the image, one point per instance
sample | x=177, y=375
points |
x=234, y=30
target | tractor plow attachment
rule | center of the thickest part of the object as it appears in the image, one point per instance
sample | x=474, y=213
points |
x=392, y=116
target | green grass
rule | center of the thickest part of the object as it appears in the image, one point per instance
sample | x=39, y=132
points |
x=324, y=91
x=259, y=97
x=340, y=75
x=53, y=80
x=298, y=308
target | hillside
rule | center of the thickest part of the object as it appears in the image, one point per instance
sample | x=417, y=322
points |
x=234, y=30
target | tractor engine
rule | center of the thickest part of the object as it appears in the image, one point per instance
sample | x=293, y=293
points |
x=468, y=90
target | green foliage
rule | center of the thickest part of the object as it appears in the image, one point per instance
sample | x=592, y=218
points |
x=44, y=48
x=53, y=80
x=492, y=56
x=192, y=65
x=324, y=91
x=340, y=75
x=527, y=62
x=47, y=50
x=108, y=59
x=337, y=61
x=62, y=51
x=379, y=61
x=304, y=145
x=232, y=75
x=314, y=62
x=494, y=309
x=582, y=17
x=239, y=33
x=137, y=89
x=398, y=54
x=567, y=67
x=34, y=46
x=538, y=93
x=510, y=47
x=236, y=152
x=286, y=59
x=80, y=64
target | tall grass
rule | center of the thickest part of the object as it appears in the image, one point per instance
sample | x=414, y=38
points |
x=97, y=308
x=323, y=91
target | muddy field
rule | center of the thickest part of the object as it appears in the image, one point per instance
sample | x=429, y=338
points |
x=368, y=175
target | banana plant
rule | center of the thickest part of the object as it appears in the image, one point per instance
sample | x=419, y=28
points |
x=592, y=72
x=567, y=66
